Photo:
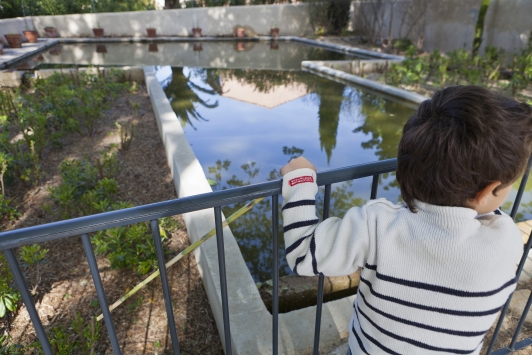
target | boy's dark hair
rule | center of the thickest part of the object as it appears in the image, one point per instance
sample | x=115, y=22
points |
x=460, y=141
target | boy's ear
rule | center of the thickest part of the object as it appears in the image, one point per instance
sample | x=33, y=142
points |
x=482, y=197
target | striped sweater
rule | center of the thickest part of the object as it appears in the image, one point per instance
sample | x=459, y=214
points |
x=432, y=282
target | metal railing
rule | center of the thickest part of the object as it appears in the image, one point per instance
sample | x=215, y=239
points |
x=84, y=225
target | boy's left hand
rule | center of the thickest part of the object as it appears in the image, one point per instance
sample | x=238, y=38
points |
x=297, y=163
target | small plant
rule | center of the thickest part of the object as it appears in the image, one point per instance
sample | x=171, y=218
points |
x=126, y=132
x=9, y=349
x=80, y=338
x=32, y=254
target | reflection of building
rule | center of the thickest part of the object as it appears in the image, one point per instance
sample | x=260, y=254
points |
x=248, y=93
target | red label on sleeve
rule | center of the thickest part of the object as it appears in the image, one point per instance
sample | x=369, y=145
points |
x=300, y=180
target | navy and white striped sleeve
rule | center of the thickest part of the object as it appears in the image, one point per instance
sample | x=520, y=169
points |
x=333, y=247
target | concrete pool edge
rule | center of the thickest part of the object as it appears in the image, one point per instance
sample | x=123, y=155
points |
x=250, y=322
x=374, y=86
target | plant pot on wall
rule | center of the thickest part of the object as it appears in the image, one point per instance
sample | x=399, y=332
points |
x=240, y=32
x=152, y=32
x=51, y=32
x=196, y=32
x=14, y=40
x=98, y=32
x=31, y=36
x=274, y=32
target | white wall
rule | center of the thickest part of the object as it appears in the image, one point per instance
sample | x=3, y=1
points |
x=450, y=24
x=507, y=24
x=293, y=20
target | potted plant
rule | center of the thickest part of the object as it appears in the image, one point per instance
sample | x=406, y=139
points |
x=98, y=30
x=14, y=40
x=196, y=30
x=31, y=34
x=101, y=48
x=240, y=31
x=197, y=47
x=274, y=31
x=152, y=32
x=50, y=31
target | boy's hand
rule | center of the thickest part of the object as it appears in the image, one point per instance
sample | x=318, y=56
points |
x=297, y=163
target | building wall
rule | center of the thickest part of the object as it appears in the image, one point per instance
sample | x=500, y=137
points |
x=293, y=20
x=448, y=24
x=508, y=25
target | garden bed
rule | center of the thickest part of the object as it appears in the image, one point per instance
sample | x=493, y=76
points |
x=61, y=283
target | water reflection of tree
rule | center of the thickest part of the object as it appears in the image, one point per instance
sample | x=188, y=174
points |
x=181, y=92
x=253, y=232
x=331, y=97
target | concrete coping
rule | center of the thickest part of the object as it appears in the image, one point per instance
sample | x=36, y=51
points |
x=389, y=91
x=15, y=55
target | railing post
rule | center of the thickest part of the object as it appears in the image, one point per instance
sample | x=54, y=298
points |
x=164, y=281
x=28, y=301
x=223, y=279
x=275, y=274
x=93, y=266
x=321, y=277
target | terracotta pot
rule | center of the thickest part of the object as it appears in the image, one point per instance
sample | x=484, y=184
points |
x=198, y=47
x=274, y=32
x=56, y=50
x=153, y=47
x=98, y=32
x=14, y=41
x=31, y=36
x=51, y=32
x=152, y=32
x=240, y=32
x=196, y=32
x=101, y=48
x=274, y=45
x=240, y=46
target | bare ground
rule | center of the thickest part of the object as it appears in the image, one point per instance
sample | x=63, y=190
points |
x=64, y=285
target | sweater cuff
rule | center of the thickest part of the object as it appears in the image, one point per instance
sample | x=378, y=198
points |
x=299, y=176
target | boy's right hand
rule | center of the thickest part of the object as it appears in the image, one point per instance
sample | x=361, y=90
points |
x=297, y=163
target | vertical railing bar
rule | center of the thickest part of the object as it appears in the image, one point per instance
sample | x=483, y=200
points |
x=275, y=273
x=517, y=200
x=521, y=322
x=223, y=279
x=164, y=280
x=93, y=266
x=507, y=304
x=28, y=301
x=321, y=277
x=374, y=187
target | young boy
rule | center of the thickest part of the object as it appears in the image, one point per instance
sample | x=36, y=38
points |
x=437, y=269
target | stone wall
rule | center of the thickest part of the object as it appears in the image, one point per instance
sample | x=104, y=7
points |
x=293, y=20
x=508, y=24
x=445, y=25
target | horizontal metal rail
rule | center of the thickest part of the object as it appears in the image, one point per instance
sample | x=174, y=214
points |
x=97, y=222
